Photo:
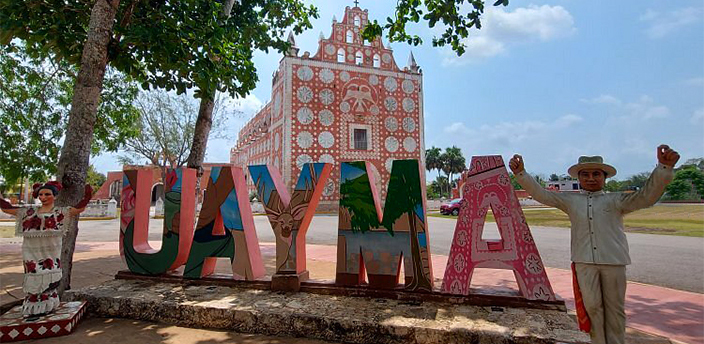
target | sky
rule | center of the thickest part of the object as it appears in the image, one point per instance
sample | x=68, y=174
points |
x=550, y=80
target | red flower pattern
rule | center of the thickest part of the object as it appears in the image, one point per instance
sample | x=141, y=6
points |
x=44, y=297
x=47, y=264
x=60, y=217
x=32, y=297
x=30, y=212
x=30, y=266
x=50, y=223
x=31, y=223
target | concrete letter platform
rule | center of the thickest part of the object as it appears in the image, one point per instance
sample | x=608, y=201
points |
x=332, y=318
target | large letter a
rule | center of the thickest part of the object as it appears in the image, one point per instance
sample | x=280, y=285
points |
x=487, y=184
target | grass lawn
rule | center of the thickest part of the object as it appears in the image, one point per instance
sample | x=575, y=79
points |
x=666, y=219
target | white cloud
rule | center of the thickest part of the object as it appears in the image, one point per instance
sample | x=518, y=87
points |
x=603, y=99
x=697, y=117
x=510, y=134
x=663, y=24
x=568, y=120
x=456, y=128
x=643, y=108
x=501, y=29
x=624, y=131
x=249, y=105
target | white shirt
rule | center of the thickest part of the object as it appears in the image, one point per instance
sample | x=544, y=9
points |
x=597, y=235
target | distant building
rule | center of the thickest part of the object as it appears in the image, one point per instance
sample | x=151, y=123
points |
x=350, y=101
x=563, y=185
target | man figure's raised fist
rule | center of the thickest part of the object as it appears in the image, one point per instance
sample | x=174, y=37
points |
x=667, y=156
x=516, y=164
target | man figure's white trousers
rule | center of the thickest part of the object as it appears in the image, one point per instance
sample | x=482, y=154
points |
x=604, y=292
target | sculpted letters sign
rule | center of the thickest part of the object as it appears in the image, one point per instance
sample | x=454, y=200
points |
x=371, y=242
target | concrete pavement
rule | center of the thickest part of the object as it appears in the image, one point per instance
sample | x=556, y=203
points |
x=661, y=312
x=668, y=261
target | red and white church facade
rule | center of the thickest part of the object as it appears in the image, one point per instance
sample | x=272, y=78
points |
x=350, y=101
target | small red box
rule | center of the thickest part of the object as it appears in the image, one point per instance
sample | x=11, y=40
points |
x=62, y=321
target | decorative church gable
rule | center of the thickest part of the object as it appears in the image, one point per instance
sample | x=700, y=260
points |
x=346, y=45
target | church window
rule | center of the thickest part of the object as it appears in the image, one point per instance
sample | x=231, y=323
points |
x=349, y=37
x=377, y=61
x=360, y=139
x=359, y=58
x=341, y=55
x=357, y=22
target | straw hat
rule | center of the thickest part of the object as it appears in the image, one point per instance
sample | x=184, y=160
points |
x=591, y=162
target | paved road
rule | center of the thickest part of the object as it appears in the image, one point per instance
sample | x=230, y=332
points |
x=669, y=261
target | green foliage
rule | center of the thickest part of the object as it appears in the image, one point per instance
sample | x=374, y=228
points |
x=452, y=162
x=95, y=178
x=173, y=45
x=431, y=191
x=437, y=186
x=35, y=95
x=678, y=189
x=612, y=186
x=687, y=184
x=635, y=182
x=457, y=17
x=432, y=159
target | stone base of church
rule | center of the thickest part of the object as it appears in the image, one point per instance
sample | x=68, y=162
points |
x=62, y=321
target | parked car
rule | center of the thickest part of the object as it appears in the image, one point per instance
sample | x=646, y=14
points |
x=451, y=208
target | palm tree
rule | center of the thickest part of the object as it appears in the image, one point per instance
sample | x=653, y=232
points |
x=453, y=162
x=433, y=161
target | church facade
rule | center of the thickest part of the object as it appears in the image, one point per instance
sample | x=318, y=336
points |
x=350, y=101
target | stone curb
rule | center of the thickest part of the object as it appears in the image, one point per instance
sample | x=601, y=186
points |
x=332, y=318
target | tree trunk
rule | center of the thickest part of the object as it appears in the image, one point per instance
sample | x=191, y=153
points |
x=201, y=133
x=449, y=186
x=205, y=115
x=420, y=279
x=75, y=153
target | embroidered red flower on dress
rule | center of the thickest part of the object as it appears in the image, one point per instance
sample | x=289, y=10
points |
x=50, y=223
x=54, y=295
x=32, y=297
x=32, y=223
x=30, y=266
x=60, y=217
x=30, y=212
x=44, y=297
x=47, y=264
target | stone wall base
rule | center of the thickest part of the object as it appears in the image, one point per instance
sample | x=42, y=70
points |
x=332, y=318
x=289, y=282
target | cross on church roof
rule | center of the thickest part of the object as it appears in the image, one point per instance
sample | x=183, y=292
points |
x=356, y=3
